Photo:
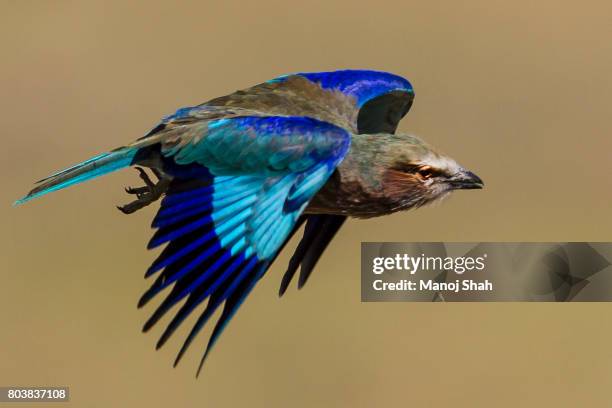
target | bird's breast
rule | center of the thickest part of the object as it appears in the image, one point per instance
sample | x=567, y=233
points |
x=350, y=197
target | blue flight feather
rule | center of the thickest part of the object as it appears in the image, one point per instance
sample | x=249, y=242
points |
x=363, y=85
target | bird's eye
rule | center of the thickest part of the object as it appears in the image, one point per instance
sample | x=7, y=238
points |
x=425, y=172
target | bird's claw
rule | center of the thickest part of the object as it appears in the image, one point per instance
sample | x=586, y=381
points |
x=145, y=177
x=146, y=194
x=138, y=191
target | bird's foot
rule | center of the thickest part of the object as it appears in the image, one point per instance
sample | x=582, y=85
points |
x=148, y=193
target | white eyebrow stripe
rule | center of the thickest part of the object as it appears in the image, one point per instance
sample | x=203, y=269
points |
x=442, y=164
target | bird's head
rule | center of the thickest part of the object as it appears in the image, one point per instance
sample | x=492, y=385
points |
x=405, y=172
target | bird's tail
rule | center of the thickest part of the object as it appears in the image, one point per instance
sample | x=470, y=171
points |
x=96, y=166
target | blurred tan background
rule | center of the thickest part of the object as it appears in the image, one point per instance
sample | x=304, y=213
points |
x=517, y=91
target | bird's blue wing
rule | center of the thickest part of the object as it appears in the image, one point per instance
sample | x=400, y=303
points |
x=364, y=85
x=224, y=227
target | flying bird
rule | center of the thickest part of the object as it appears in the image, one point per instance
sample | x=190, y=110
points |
x=240, y=174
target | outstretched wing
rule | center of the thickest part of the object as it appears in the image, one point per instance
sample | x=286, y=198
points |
x=240, y=185
x=381, y=98
x=364, y=101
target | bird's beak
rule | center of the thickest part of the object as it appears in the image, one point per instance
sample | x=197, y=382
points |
x=466, y=180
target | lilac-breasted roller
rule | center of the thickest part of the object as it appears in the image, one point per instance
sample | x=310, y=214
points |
x=241, y=173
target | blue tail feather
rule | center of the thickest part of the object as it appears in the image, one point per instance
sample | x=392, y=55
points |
x=96, y=166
